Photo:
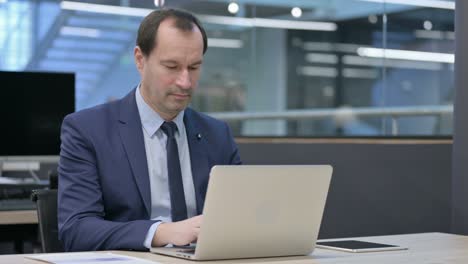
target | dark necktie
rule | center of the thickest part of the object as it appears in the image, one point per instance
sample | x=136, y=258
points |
x=176, y=187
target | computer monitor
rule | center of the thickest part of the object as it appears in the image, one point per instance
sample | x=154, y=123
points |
x=32, y=108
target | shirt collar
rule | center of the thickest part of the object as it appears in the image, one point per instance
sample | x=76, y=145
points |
x=150, y=119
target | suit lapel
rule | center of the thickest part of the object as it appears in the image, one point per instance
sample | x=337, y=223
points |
x=197, y=142
x=131, y=134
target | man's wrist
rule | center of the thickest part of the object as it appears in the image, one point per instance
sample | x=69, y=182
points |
x=150, y=234
x=161, y=238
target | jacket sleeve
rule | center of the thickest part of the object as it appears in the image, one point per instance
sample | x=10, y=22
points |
x=81, y=213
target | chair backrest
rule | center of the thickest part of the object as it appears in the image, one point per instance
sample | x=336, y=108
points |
x=46, y=201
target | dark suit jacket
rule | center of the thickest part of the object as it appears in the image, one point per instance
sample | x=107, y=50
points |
x=104, y=199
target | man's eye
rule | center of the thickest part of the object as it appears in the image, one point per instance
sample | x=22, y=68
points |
x=193, y=68
x=171, y=67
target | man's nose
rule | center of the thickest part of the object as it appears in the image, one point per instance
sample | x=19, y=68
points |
x=183, y=80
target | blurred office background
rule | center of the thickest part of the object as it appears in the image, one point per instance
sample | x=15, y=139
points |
x=307, y=68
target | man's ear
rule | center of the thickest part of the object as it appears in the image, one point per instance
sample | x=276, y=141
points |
x=139, y=58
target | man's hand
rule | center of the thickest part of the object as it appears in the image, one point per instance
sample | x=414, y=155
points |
x=178, y=233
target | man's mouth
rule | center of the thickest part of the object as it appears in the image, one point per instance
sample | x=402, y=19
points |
x=180, y=95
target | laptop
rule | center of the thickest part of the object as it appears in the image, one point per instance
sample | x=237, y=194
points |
x=256, y=211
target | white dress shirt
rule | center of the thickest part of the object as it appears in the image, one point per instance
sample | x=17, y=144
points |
x=155, y=147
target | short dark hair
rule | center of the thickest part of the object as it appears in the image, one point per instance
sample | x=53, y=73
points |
x=148, y=30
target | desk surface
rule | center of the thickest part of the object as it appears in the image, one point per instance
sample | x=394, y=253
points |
x=423, y=248
x=18, y=217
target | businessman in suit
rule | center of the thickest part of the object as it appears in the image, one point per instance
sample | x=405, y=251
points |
x=134, y=172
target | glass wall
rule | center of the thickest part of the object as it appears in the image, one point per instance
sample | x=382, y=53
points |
x=273, y=67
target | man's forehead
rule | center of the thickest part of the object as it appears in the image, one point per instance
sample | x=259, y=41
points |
x=171, y=23
x=169, y=37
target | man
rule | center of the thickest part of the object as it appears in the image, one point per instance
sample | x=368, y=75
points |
x=134, y=172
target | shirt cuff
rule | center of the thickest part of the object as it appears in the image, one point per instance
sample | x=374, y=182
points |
x=150, y=234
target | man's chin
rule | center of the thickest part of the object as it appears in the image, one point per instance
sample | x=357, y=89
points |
x=179, y=108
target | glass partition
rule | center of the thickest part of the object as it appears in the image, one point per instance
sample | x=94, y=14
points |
x=304, y=68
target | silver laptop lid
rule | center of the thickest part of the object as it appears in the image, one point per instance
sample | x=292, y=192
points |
x=262, y=211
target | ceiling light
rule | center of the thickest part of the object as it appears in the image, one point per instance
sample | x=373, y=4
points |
x=406, y=55
x=158, y=3
x=225, y=43
x=269, y=23
x=80, y=32
x=330, y=72
x=233, y=8
x=105, y=9
x=321, y=58
x=296, y=12
x=360, y=73
x=328, y=46
x=422, y=3
x=373, y=19
x=427, y=25
x=391, y=63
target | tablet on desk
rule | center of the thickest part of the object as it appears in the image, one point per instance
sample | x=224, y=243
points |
x=357, y=246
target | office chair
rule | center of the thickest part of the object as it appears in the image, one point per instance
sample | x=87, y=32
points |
x=46, y=201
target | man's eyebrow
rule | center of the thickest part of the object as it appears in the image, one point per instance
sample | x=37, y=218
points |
x=196, y=63
x=169, y=61
x=175, y=62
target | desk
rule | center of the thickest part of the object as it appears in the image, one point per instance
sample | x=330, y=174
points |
x=423, y=248
x=18, y=217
